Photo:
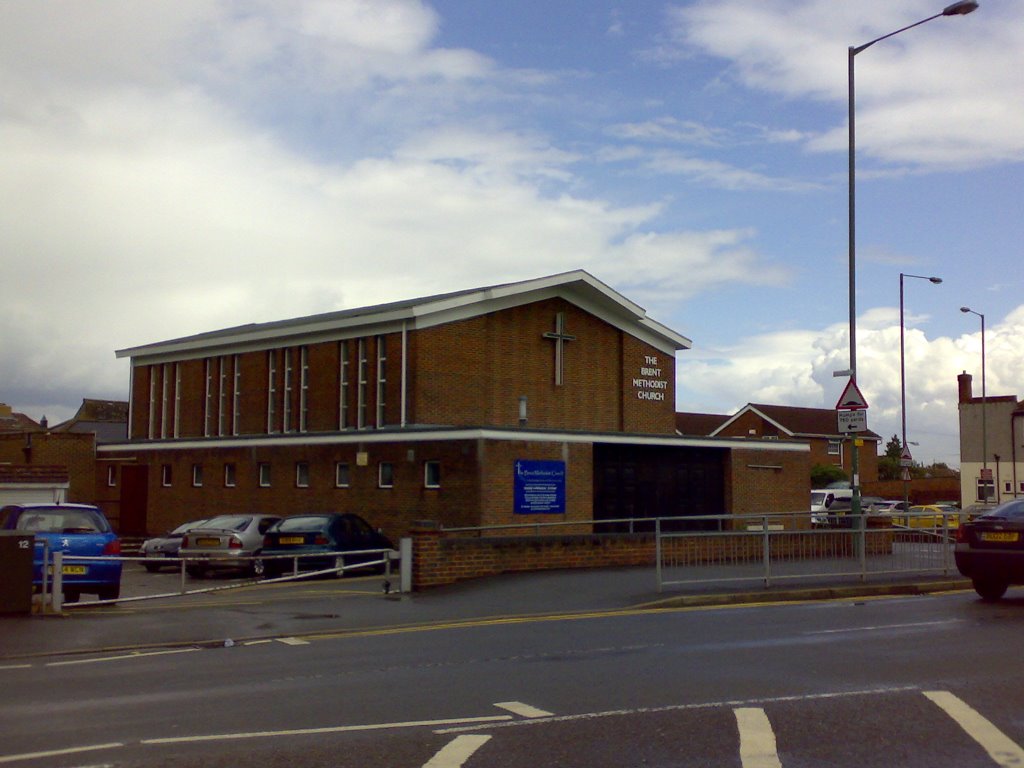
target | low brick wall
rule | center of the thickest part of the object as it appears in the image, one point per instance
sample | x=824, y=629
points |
x=440, y=558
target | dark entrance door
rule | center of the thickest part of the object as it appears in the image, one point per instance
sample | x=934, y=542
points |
x=636, y=481
x=134, y=498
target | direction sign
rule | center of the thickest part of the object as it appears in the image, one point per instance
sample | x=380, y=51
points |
x=851, y=399
x=853, y=421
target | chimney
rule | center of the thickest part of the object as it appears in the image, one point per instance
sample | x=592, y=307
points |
x=966, y=390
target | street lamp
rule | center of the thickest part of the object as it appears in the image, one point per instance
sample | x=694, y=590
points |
x=984, y=435
x=961, y=8
x=903, y=386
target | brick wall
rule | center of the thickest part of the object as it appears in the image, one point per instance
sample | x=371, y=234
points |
x=74, y=451
x=440, y=558
x=775, y=480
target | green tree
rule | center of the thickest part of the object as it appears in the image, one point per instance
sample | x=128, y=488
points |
x=823, y=474
x=894, y=448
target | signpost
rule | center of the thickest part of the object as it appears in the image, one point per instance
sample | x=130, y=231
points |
x=853, y=418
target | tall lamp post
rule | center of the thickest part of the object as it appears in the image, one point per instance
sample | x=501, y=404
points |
x=984, y=436
x=956, y=9
x=903, y=387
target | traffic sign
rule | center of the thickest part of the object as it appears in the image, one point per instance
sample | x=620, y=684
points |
x=853, y=421
x=906, y=460
x=851, y=399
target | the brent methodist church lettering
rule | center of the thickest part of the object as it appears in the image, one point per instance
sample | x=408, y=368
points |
x=650, y=384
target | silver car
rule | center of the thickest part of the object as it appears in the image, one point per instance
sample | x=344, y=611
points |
x=228, y=542
x=159, y=548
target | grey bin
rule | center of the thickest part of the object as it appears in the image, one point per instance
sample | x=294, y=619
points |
x=16, y=548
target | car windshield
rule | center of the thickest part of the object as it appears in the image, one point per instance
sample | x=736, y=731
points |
x=303, y=523
x=1007, y=510
x=817, y=498
x=229, y=522
x=56, y=520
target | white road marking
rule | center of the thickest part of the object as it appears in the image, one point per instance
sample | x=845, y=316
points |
x=457, y=752
x=58, y=752
x=757, y=739
x=292, y=641
x=119, y=658
x=878, y=627
x=16, y=666
x=1002, y=749
x=328, y=729
x=523, y=710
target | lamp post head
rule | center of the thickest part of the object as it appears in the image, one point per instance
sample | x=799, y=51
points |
x=935, y=280
x=966, y=309
x=961, y=8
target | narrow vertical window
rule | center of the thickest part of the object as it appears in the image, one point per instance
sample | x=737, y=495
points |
x=382, y=365
x=341, y=475
x=197, y=475
x=229, y=475
x=222, y=396
x=111, y=476
x=152, y=402
x=165, y=398
x=271, y=390
x=301, y=474
x=236, y=397
x=303, y=388
x=361, y=397
x=286, y=405
x=165, y=475
x=208, y=400
x=263, y=474
x=385, y=475
x=343, y=420
x=177, y=400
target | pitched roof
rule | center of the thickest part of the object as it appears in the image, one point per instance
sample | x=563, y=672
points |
x=699, y=424
x=107, y=419
x=10, y=421
x=797, y=421
x=577, y=287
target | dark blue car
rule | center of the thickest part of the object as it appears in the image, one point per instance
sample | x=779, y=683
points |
x=75, y=530
x=322, y=541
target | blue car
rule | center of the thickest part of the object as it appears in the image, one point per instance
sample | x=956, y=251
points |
x=317, y=542
x=74, y=529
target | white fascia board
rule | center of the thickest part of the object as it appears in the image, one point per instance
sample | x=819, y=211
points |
x=748, y=408
x=449, y=435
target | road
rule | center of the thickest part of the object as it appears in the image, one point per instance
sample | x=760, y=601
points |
x=920, y=681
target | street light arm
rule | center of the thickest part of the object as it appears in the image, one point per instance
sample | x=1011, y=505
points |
x=961, y=8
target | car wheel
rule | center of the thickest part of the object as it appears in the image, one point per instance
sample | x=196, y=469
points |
x=109, y=593
x=990, y=589
x=71, y=595
x=151, y=567
x=257, y=568
x=195, y=571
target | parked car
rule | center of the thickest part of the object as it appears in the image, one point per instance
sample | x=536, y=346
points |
x=990, y=549
x=326, y=533
x=929, y=516
x=159, y=548
x=74, y=529
x=227, y=542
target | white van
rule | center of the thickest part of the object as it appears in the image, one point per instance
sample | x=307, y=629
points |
x=823, y=498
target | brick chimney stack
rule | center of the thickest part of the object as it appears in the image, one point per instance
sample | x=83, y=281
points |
x=966, y=389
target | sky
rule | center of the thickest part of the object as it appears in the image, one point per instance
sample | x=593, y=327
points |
x=179, y=166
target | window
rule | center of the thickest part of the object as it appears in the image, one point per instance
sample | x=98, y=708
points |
x=263, y=474
x=177, y=400
x=229, y=475
x=301, y=474
x=236, y=399
x=341, y=475
x=286, y=408
x=382, y=364
x=271, y=391
x=432, y=474
x=165, y=398
x=303, y=387
x=835, y=447
x=111, y=476
x=222, y=395
x=986, y=490
x=152, y=402
x=197, y=475
x=165, y=475
x=361, y=401
x=208, y=400
x=385, y=475
x=343, y=420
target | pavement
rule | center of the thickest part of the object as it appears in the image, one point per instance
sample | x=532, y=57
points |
x=361, y=606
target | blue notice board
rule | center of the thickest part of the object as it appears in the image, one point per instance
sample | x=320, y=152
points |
x=539, y=487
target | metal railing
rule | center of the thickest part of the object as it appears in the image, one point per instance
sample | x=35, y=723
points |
x=770, y=548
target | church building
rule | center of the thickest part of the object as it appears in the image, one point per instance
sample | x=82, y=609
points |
x=550, y=399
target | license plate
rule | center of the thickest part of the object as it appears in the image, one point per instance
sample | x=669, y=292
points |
x=74, y=570
x=998, y=536
x=207, y=542
x=291, y=539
